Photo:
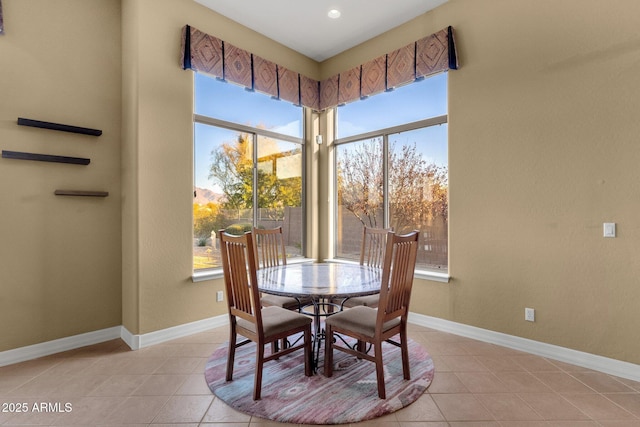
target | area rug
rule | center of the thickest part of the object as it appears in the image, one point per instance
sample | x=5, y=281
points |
x=349, y=396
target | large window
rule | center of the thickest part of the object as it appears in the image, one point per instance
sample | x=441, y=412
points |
x=392, y=169
x=248, y=164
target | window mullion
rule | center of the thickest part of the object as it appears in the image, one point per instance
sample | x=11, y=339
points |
x=385, y=181
x=255, y=179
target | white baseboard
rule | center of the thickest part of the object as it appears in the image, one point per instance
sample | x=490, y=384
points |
x=136, y=342
x=34, y=351
x=591, y=361
x=598, y=363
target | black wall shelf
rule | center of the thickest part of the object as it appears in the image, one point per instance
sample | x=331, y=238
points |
x=57, y=126
x=81, y=193
x=18, y=155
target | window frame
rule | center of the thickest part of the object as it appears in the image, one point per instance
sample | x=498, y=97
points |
x=384, y=133
x=216, y=272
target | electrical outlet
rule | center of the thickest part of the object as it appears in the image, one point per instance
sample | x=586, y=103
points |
x=219, y=296
x=529, y=315
x=609, y=229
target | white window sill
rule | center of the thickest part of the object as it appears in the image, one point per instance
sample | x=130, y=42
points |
x=213, y=274
x=419, y=274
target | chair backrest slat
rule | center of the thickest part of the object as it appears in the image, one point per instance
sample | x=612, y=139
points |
x=239, y=268
x=397, y=276
x=269, y=247
x=374, y=244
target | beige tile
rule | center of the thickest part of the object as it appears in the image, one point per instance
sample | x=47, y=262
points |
x=194, y=384
x=465, y=364
x=40, y=386
x=423, y=409
x=598, y=407
x=524, y=424
x=522, y=382
x=184, y=409
x=421, y=424
x=440, y=364
x=534, y=363
x=508, y=407
x=137, y=409
x=388, y=420
x=619, y=423
x=628, y=401
x=81, y=385
x=229, y=424
x=481, y=382
x=461, y=407
x=445, y=349
x=499, y=363
x=220, y=412
x=633, y=384
x=164, y=384
x=602, y=383
x=29, y=368
x=562, y=383
x=478, y=348
x=475, y=424
x=446, y=382
x=181, y=365
x=552, y=406
x=160, y=385
x=88, y=411
x=10, y=382
x=119, y=385
x=70, y=367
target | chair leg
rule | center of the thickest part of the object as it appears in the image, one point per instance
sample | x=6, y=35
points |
x=231, y=354
x=379, y=369
x=328, y=352
x=405, y=355
x=257, y=385
x=308, y=353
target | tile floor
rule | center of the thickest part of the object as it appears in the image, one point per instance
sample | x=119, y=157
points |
x=475, y=384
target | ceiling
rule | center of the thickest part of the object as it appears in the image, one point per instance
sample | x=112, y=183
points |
x=303, y=25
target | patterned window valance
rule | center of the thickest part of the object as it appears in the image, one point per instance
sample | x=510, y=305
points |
x=208, y=54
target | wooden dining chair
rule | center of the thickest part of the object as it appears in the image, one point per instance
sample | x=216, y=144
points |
x=247, y=317
x=375, y=326
x=270, y=252
x=374, y=243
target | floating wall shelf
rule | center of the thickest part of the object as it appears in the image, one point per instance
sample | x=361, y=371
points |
x=57, y=126
x=44, y=157
x=81, y=193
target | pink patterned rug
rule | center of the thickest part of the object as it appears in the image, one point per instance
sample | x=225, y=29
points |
x=351, y=395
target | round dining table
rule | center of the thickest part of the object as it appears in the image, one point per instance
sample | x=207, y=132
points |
x=324, y=283
x=320, y=280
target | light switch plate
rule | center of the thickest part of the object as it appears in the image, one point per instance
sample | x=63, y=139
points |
x=609, y=229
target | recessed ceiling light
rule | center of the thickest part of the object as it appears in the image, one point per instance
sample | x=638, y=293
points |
x=334, y=14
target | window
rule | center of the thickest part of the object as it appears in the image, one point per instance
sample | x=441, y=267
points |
x=248, y=167
x=392, y=169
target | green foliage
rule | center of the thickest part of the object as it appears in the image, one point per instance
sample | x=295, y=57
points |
x=206, y=218
x=238, y=229
x=418, y=189
x=232, y=170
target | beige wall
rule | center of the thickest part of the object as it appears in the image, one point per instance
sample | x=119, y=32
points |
x=158, y=160
x=59, y=256
x=543, y=149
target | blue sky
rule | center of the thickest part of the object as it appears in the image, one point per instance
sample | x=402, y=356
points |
x=226, y=101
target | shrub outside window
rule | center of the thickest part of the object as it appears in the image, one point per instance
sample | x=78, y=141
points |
x=248, y=167
x=397, y=176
